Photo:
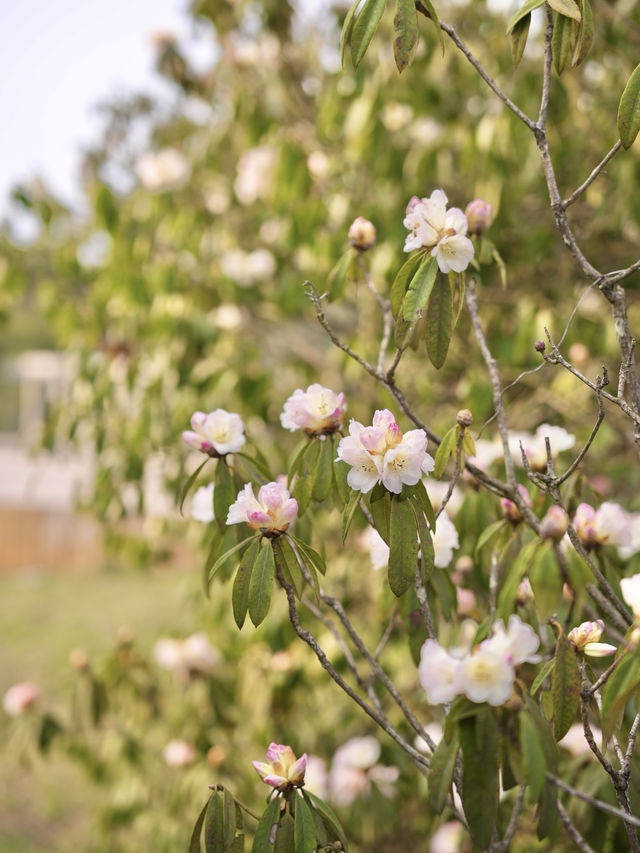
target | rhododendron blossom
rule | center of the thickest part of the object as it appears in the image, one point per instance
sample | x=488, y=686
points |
x=317, y=411
x=179, y=753
x=271, y=512
x=443, y=231
x=202, y=504
x=216, y=433
x=439, y=673
x=282, y=770
x=20, y=697
x=535, y=446
x=609, y=525
x=381, y=453
x=486, y=676
x=517, y=643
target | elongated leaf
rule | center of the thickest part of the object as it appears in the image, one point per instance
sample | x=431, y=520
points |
x=546, y=581
x=567, y=8
x=424, y=540
x=190, y=481
x=347, y=26
x=264, y=838
x=436, y=21
x=402, y=280
x=403, y=546
x=419, y=289
x=380, y=508
x=339, y=275
x=341, y=474
x=349, y=512
x=224, y=557
x=296, y=457
x=322, y=477
x=261, y=584
x=305, y=830
x=444, y=451
x=443, y=764
x=548, y=812
x=480, y=742
x=229, y=810
x=303, y=486
x=310, y=556
x=461, y=708
x=533, y=761
x=214, y=825
x=629, y=110
x=561, y=42
x=585, y=34
x=405, y=36
x=289, y=563
x=538, y=681
x=489, y=532
x=514, y=574
x=439, y=322
x=518, y=38
x=522, y=12
x=565, y=687
x=617, y=692
x=364, y=28
x=285, y=839
x=240, y=592
x=419, y=492
x=328, y=817
x=194, y=843
x=223, y=492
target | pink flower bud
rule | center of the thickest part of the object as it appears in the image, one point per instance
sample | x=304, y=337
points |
x=479, y=215
x=510, y=510
x=281, y=770
x=362, y=234
x=555, y=523
x=587, y=632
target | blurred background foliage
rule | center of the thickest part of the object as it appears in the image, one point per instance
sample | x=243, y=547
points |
x=181, y=288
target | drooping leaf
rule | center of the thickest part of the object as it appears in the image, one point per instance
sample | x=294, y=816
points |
x=99, y=700
x=285, y=839
x=364, y=28
x=419, y=289
x=489, y=533
x=419, y=492
x=227, y=554
x=629, y=110
x=264, y=837
x=443, y=764
x=328, y=817
x=546, y=581
x=405, y=36
x=380, y=508
x=349, y=512
x=461, y=708
x=522, y=12
x=402, y=280
x=194, y=843
x=514, y=572
x=424, y=540
x=261, y=584
x=322, y=477
x=229, y=811
x=445, y=449
x=439, y=324
x=403, y=546
x=623, y=682
x=50, y=728
x=538, y=681
x=533, y=759
x=240, y=592
x=296, y=457
x=310, y=556
x=480, y=742
x=347, y=26
x=190, y=481
x=307, y=468
x=561, y=41
x=518, y=38
x=547, y=812
x=223, y=492
x=567, y=8
x=288, y=563
x=305, y=830
x=585, y=34
x=433, y=15
x=214, y=824
x=565, y=687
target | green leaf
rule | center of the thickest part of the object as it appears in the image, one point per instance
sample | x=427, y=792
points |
x=364, y=28
x=240, y=592
x=296, y=457
x=229, y=553
x=341, y=474
x=262, y=842
x=191, y=480
x=443, y=764
x=261, y=584
x=488, y=533
x=629, y=110
x=461, y=708
x=439, y=322
x=305, y=830
x=522, y=12
x=405, y=36
x=322, y=477
x=289, y=564
x=585, y=34
x=402, y=280
x=424, y=540
x=514, y=574
x=252, y=468
x=349, y=512
x=533, y=758
x=380, y=508
x=624, y=680
x=285, y=839
x=436, y=21
x=310, y=556
x=561, y=42
x=540, y=677
x=223, y=492
x=480, y=742
x=403, y=546
x=229, y=811
x=303, y=486
x=518, y=38
x=419, y=492
x=336, y=283
x=546, y=581
x=99, y=701
x=567, y=8
x=194, y=844
x=347, y=27
x=419, y=290
x=565, y=687
x=446, y=447
x=50, y=728
x=548, y=812
x=214, y=825
x=328, y=817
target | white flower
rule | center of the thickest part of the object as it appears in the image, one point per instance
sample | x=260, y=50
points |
x=448, y=838
x=317, y=411
x=486, y=677
x=633, y=546
x=441, y=230
x=185, y=658
x=516, y=644
x=354, y=768
x=316, y=777
x=608, y=525
x=535, y=447
x=437, y=489
x=20, y=697
x=445, y=539
x=179, y=753
x=217, y=433
x=272, y=512
x=202, y=504
x=382, y=454
x=256, y=169
x=631, y=593
x=439, y=673
x=164, y=170
x=377, y=547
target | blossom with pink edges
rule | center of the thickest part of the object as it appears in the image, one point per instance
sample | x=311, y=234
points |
x=20, y=697
x=272, y=512
x=317, y=411
x=216, y=434
x=442, y=231
x=608, y=525
x=282, y=770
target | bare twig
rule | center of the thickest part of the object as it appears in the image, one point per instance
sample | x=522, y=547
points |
x=587, y=798
x=588, y=444
x=572, y=830
x=575, y=195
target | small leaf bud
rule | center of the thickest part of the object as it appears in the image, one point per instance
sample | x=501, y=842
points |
x=479, y=215
x=362, y=234
x=464, y=418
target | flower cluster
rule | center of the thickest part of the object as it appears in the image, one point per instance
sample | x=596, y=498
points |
x=487, y=673
x=381, y=453
x=608, y=525
x=442, y=231
x=317, y=411
x=271, y=512
x=282, y=770
x=216, y=433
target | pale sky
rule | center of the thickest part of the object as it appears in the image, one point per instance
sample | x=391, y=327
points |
x=58, y=58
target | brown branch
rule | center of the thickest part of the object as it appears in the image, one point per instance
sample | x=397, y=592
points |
x=572, y=830
x=575, y=195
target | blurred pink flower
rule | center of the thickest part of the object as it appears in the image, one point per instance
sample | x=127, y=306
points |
x=317, y=411
x=20, y=697
x=179, y=753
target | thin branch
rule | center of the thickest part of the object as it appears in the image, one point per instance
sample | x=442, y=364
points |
x=633, y=734
x=385, y=307
x=456, y=475
x=587, y=798
x=625, y=367
x=588, y=444
x=384, y=639
x=572, y=830
x=513, y=820
x=575, y=195
x=604, y=677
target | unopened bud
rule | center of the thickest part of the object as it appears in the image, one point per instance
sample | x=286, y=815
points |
x=555, y=523
x=524, y=593
x=510, y=510
x=362, y=234
x=540, y=346
x=464, y=418
x=587, y=632
x=479, y=215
